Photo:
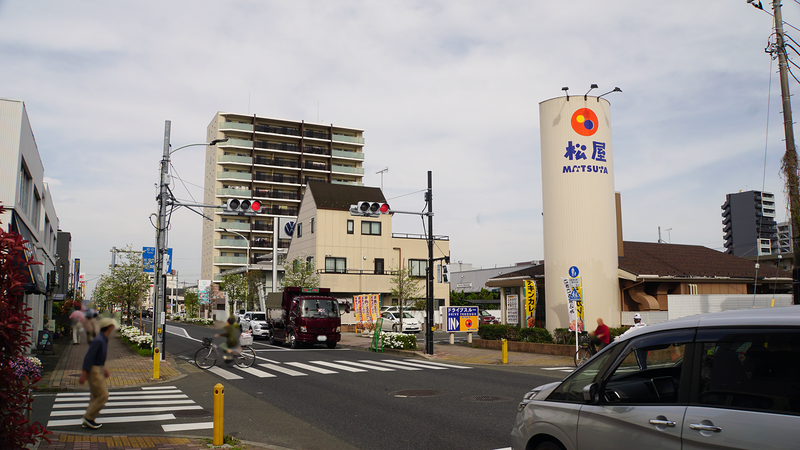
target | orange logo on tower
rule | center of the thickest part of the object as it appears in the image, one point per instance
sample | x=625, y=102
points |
x=584, y=122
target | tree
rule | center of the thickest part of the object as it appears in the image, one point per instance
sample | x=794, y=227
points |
x=254, y=278
x=191, y=301
x=125, y=283
x=405, y=288
x=300, y=272
x=235, y=287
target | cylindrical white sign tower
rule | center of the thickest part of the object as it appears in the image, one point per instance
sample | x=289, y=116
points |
x=579, y=209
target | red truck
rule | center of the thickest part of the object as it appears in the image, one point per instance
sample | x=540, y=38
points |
x=303, y=316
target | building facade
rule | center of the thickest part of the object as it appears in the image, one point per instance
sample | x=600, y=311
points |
x=29, y=206
x=271, y=161
x=748, y=224
x=360, y=255
x=784, y=242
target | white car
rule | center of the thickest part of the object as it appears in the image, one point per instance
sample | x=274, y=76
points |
x=392, y=309
x=255, y=322
x=391, y=322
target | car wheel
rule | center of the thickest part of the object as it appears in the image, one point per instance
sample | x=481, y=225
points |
x=331, y=345
x=549, y=445
x=394, y=328
x=271, y=337
x=293, y=344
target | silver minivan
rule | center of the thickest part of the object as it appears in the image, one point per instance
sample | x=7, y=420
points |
x=728, y=380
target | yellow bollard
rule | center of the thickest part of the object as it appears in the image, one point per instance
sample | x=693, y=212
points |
x=219, y=413
x=505, y=351
x=156, y=363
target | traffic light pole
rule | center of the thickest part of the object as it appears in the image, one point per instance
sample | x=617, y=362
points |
x=159, y=303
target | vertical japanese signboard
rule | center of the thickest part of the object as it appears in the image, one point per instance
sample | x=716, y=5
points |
x=512, y=309
x=365, y=307
x=530, y=303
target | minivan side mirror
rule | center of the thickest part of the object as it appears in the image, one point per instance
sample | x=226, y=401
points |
x=590, y=393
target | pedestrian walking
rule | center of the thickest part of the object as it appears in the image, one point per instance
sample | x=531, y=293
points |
x=77, y=317
x=90, y=324
x=94, y=370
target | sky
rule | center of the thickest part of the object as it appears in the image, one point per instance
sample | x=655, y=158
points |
x=451, y=87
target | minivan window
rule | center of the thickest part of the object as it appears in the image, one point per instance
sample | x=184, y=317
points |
x=571, y=390
x=647, y=375
x=757, y=370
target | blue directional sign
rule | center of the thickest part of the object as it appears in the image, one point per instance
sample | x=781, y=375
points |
x=149, y=259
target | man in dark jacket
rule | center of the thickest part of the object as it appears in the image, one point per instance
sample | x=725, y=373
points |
x=94, y=370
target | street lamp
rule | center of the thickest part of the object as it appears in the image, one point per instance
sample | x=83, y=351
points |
x=247, y=268
x=160, y=306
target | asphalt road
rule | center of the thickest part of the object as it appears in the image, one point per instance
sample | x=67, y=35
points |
x=317, y=398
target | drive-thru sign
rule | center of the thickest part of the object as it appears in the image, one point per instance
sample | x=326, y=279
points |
x=462, y=318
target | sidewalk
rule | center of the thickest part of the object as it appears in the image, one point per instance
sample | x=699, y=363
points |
x=128, y=369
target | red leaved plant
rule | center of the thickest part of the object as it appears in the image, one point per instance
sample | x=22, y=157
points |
x=15, y=392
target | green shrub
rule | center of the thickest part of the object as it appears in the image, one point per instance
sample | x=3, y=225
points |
x=514, y=333
x=538, y=335
x=399, y=341
x=564, y=336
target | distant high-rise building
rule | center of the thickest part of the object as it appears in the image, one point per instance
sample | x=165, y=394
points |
x=269, y=160
x=784, y=243
x=748, y=223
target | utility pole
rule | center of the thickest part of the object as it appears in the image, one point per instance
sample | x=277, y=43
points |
x=159, y=306
x=790, y=157
x=429, y=304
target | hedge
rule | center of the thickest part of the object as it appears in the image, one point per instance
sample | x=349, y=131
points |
x=514, y=333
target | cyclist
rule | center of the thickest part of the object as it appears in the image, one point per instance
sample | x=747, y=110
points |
x=231, y=345
x=600, y=337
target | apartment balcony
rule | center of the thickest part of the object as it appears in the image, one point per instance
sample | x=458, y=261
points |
x=348, y=183
x=235, y=126
x=233, y=142
x=313, y=149
x=279, y=210
x=311, y=165
x=262, y=227
x=277, y=178
x=230, y=243
x=262, y=243
x=235, y=159
x=282, y=146
x=350, y=139
x=247, y=176
x=316, y=134
x=283, y=195
x=346, y=154
x=232, y=225
x=347, y=169
x=321, y=180
x=230, y=260
x=277, y=162
x=277, y=130
x=230, y=192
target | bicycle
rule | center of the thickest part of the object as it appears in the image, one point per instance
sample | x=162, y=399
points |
x=585, y=352
x=206, y=357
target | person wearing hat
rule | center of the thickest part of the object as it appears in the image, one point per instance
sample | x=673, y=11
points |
x=637, y=323
x=94, y=370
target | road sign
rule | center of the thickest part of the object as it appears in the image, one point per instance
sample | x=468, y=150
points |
x=461, y=318
x=573, y=271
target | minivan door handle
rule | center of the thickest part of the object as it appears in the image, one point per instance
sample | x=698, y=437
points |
x=664, y=422
x=701, y=427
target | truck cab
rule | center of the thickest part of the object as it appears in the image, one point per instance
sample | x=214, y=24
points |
x=303, y=316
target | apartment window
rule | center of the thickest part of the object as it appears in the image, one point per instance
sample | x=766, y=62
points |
x=25, y=185
x=350, y=227
x=37, y=207
x=378, y=266
x=335, y=265
x=312, y=225
x=299, y=229
x=310, y=261
x=417, y=267
x=371, y=228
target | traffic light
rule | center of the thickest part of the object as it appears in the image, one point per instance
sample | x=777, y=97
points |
x=370, y=209
x=242, y=207
x=445, y=273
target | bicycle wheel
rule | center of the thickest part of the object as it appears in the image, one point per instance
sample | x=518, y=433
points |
x=246, y=358
x=205, y=358
x=582, y=355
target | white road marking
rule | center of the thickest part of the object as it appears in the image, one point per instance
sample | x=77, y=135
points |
x=557, y=368
x=124, y=419
x=117, y=394
x=115, y=404
x=311, y=368
x=404, y=363
x=128, y=397
x=125, y=410
x=366, y=366
x=393, y=366
x=446, y=366
x=256, y=372
x=189, y=426
x=283, y=370
x=224, y=373
x=337, y=366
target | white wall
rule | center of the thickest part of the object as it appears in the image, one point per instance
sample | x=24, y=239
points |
x=689, y=305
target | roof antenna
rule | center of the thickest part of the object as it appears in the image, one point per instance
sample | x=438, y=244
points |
x=565, y=89
x=382, y=172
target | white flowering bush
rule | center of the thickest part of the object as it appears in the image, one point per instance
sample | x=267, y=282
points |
x=132, y=335
x=199, y=321
x=400, y=341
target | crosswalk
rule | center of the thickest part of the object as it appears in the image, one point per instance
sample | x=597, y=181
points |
x=273, y=369
x=567, y=369
x=146, y=404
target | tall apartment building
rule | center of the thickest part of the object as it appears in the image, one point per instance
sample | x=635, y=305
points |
x=269, y=160
x=748, y=221
x=784, y=241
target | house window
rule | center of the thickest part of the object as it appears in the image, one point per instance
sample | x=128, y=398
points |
x=37, y=207
x=350, y=227
x=312, y=225
x=335, y=265
x=299, y=229
x=417, y=267
x=378, y=266
x=25, y=183
x=372, y=228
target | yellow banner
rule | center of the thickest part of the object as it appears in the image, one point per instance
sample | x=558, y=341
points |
x=530, y=302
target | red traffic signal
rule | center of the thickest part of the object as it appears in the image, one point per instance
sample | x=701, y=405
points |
x=242, y=206
x=373, y=209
